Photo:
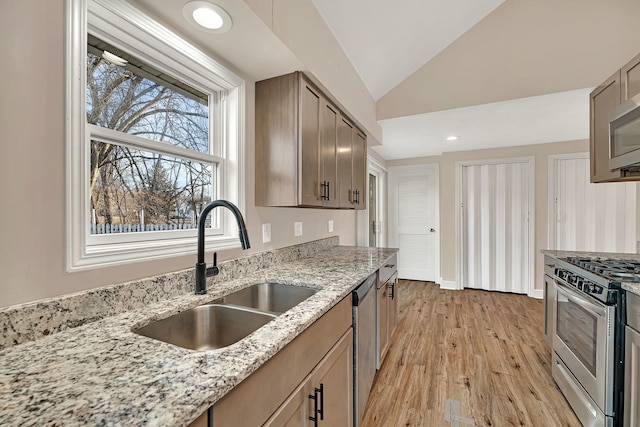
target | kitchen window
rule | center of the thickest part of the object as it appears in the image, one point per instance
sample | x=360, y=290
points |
x=154, y=133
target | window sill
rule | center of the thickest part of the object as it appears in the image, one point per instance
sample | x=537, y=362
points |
x=98, y=256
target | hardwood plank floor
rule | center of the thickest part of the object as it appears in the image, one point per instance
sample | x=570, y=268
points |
x=483, y=349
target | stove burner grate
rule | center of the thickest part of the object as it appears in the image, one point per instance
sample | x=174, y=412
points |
x=624, y=270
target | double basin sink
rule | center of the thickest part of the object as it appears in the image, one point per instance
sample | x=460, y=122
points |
x=227, y=320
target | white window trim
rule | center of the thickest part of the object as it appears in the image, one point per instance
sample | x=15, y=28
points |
x=128, y=24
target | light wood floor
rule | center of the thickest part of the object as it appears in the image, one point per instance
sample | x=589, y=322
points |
x=483, y=349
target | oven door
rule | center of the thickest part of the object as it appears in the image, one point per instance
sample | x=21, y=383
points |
x=584, y=341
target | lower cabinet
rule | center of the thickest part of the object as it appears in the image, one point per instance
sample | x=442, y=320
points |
x=632, y=363
x=550, y=303
x=393, y=306
x=632, y=379
x=325, y=397
x=387, y=296
x=317, y=363
x=201, y=421
x=383, y=323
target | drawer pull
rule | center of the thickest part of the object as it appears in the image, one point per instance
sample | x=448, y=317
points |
x=317, y=411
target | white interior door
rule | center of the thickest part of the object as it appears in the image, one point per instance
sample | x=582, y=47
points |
x=496, y=232
x=586, y=216
x=416, y=221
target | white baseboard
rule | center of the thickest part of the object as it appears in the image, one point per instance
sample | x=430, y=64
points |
x=449, y=284
x=537, y=293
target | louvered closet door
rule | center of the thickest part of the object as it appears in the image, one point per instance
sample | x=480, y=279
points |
x=592, y=217
x=495, y=227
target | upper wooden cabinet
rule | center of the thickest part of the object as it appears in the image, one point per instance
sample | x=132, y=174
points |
x=308, y=152
x=352, y=148
x=622, y=85
x=603, y=100
x=630, y=75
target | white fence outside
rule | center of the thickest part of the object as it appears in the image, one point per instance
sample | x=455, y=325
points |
x=136, y=228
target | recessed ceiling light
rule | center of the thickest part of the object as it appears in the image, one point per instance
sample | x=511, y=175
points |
x=452, y=138
x=207, y=16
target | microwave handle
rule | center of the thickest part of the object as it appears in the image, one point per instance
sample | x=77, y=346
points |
x=575, y=298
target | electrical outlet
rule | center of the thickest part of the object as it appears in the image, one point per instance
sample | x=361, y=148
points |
x=266, y=232
x=297, y=229
x=330, y=226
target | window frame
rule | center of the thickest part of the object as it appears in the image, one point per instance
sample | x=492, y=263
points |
x=128, y=28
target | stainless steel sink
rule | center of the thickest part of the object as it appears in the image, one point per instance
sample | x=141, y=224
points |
x=269, y=297
x=206, y=327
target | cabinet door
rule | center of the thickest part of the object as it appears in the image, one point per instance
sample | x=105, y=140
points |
x=359, y=169
x=632, y=378
x=332, y=384
x=346, y=133
x=328, y=171
x=383, y=322
x=603, y=100
x=311, y=106
x=393, y=306
x=294, y=412
x=631, y=79
x=201, y=421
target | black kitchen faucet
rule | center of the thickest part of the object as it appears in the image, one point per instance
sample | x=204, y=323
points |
x=201, y=266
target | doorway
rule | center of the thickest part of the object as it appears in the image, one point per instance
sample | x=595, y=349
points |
x=414, y=220
x=371, y=228
x=373, y=212
x=496, y=247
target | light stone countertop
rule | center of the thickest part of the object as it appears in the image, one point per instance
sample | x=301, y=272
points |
x=627, y=286
x=103, y=374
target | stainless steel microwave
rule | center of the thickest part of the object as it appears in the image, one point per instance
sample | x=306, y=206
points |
x=624, y=139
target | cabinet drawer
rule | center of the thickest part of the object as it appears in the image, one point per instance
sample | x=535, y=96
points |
x=387, y=270
x=633, y=311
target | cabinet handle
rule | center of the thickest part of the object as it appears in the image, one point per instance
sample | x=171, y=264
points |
x=328, y=196
x=323, y=186
x=317, y=411
x=321, y=391
x=392, y=292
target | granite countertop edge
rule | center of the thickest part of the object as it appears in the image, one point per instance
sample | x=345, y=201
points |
x=627, y=286
x=104, y=374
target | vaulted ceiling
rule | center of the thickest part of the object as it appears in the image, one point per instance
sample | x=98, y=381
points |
x=490, y=72
x=387, y=41
x=493, y=72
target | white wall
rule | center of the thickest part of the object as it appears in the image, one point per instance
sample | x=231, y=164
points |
x=32, y=170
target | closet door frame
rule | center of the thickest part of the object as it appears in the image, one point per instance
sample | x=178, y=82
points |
x=459, y=167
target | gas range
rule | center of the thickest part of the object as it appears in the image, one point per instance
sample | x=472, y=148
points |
x=588, y=342
x=598, y=277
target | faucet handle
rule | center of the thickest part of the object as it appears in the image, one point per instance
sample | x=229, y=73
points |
x=213, y=270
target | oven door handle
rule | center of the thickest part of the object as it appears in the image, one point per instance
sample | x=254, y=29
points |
x=576, y=298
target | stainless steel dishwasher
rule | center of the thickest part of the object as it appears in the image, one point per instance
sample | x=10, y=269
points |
x=364, y=344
